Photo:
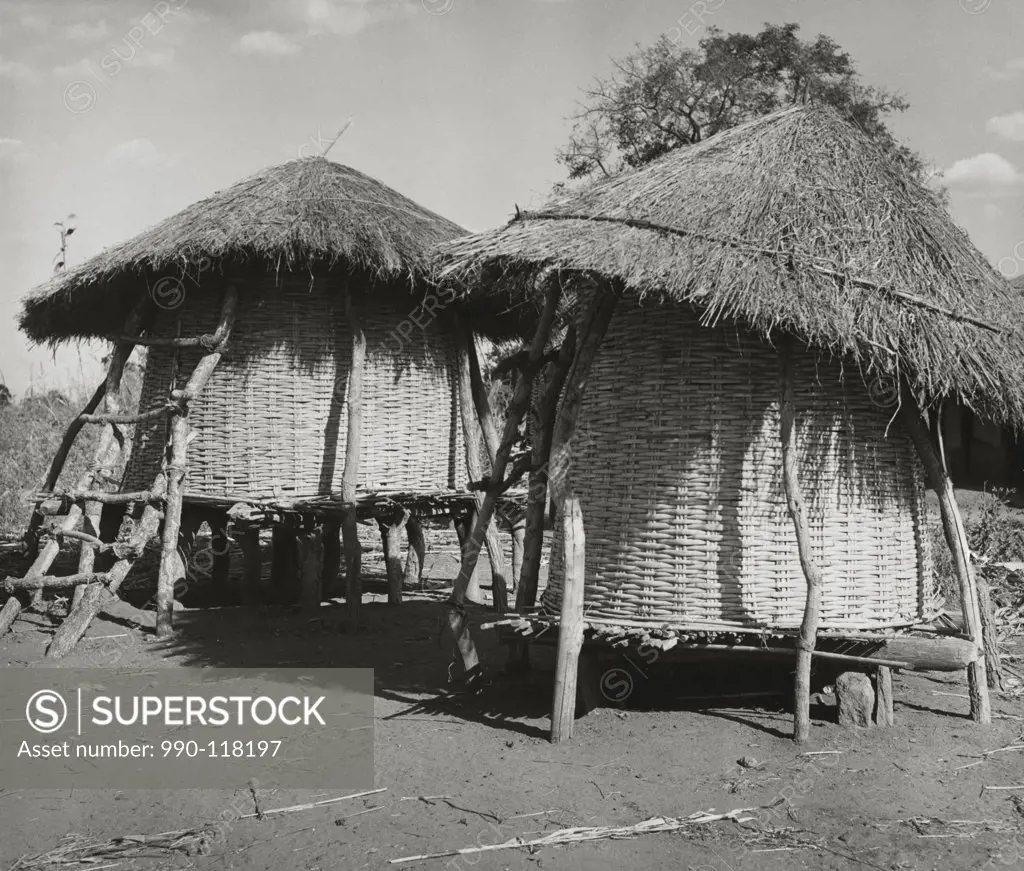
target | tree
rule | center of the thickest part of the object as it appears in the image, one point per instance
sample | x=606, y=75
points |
x=666, y=96
x=5, y=395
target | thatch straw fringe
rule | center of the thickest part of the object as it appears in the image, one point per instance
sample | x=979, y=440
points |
x=306, y=214
x=864, y=262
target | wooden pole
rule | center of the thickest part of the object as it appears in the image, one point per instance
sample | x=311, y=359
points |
x=350, y=476
x=391, y=536
x=310, y=552
x=252, y=565
x=807, y=639
x=884, y=712
x=570, y=628
x=220, y=544
x=518, y=541
x=473, y=395
x=170, y=564
x=416, y=555
x=596, y=319
x=332, y=555
x=463, y=524
x=544, y=410
x=455, y=606
x=956, y=538
x=171, y=568
x=284, y=578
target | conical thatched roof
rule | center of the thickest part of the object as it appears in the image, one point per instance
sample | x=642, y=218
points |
x=795, y=221
x=303, y=213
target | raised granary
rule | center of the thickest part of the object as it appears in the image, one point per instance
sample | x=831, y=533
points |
x=765, y=326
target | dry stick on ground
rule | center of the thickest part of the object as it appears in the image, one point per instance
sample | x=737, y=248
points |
x=795, y=503
x=350, y=476
x=956, y=538
x=171, y=568
x=472, y=395
x=455, y=606
x=579, y=834
x=545, y=409
x=570, y=631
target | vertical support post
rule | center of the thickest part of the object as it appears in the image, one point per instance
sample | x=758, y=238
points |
x=518, y=541
x=416, y=555
x=570, y=629
x=171, y=568
x=473, y=394
x=956, y=538
x=310, y=553
x=807, y=639
x=350, y=477
x=220, y=544
x=391, y=536
x=463, y=524
x=252, y=565
x=884, y=712
x=285, y=561
x=595, y=323
x=332, y=555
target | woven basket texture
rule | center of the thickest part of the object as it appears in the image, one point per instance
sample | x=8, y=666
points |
x=677, y=462
x=273, y=419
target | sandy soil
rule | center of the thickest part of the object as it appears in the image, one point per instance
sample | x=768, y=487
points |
x=911, y=797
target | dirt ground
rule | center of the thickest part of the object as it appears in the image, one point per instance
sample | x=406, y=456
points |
x=461, y=771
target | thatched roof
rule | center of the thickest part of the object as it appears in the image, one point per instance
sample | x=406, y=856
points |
x=798, y=222
x=305, y=213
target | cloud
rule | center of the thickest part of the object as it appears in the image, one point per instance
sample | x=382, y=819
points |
x=268, y=43
x=9, y=146
x=1007, y=126
x=141, y=152
x=83, y=32
x=348, y=17
x=991, y=211
x=15, y=70
x=983, y=169
x=1008, y=71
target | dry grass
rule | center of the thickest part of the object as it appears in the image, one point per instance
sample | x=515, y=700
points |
x=796, y=222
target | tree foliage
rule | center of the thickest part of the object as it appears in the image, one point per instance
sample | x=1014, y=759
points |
x=667, y=96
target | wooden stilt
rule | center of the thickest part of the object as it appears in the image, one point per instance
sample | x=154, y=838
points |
x=171, y=569
x=812, y=573
x=956, y=538
x=989, y=634
x=284, y=569
x=310, y=554
x=220, y=544
x=884, y=711
x=252, y=566
x=350, y=476
x=473, y=395
x=518, y=542
x=332, y=555
x=391, y=535
x=463, y=523
x=570, y=629
x=416, y=555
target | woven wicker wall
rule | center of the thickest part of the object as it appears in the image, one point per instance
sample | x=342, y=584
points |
x=678, y=462
x=272, y=421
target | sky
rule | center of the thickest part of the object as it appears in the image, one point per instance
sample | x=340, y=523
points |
x=123, y=112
